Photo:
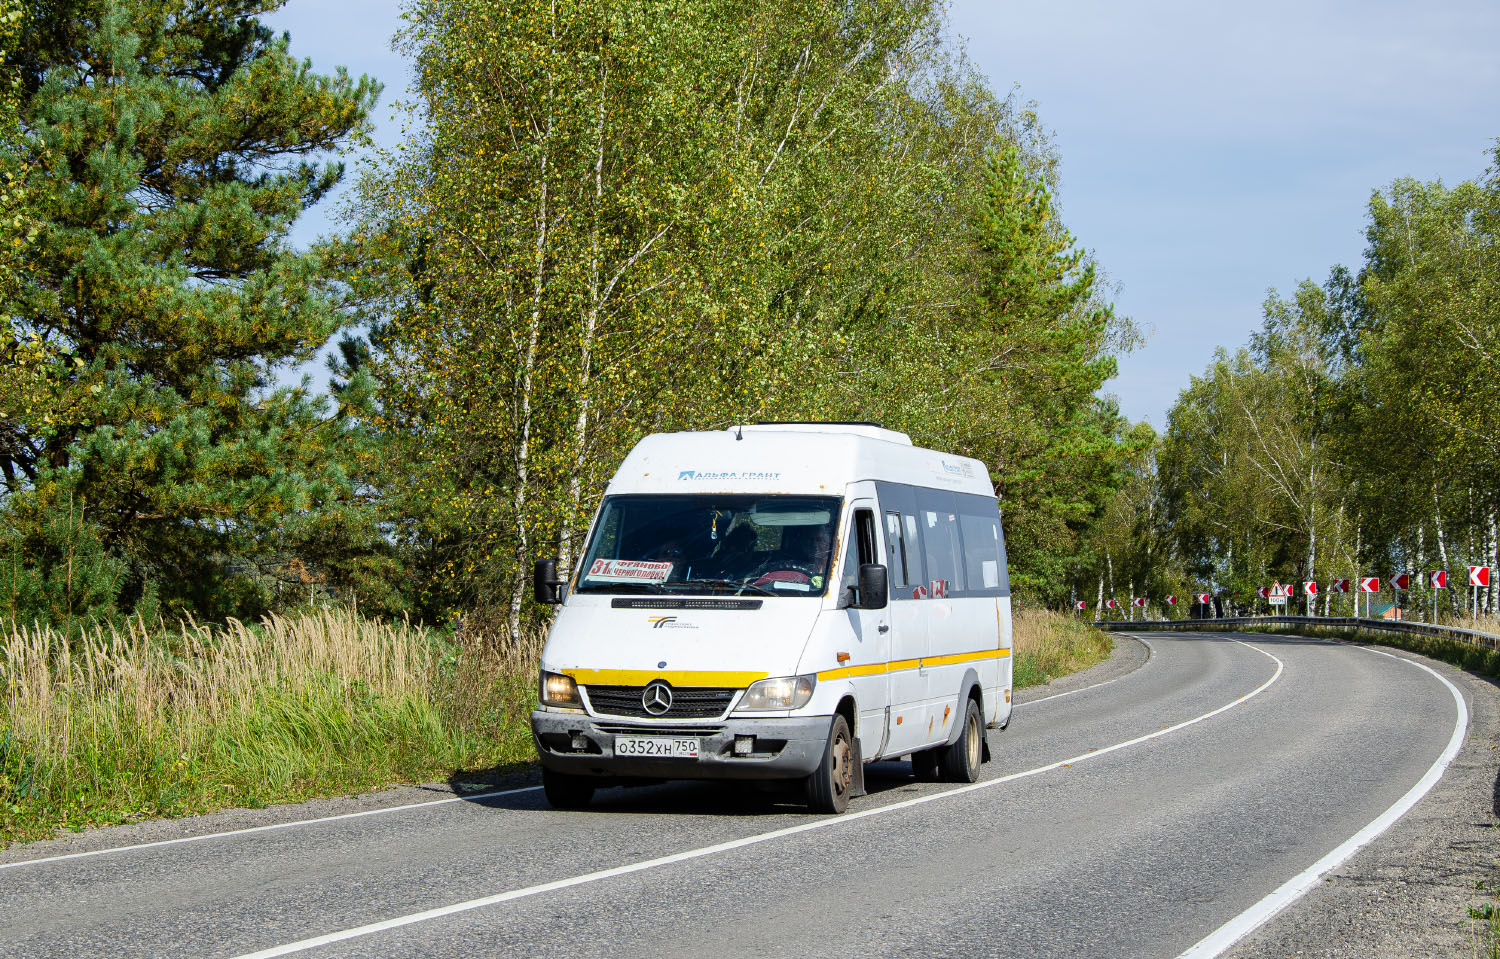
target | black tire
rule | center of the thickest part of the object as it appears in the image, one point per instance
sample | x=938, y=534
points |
x=959, y=763
x=565, y=791
x=924, y=765
x=829, y=786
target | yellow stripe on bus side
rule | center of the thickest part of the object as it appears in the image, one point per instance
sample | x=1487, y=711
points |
x=900, y=664
x=681, y=677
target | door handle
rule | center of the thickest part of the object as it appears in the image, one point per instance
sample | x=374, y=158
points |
x=885, y=628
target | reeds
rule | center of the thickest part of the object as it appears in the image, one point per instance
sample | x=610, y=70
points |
x=113, y=724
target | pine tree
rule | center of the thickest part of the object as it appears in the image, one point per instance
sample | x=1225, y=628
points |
x=170, y=147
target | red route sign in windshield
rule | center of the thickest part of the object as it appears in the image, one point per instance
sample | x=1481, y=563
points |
x=629, y=571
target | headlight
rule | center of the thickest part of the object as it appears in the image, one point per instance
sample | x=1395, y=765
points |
x=559, y=690
x=787, y=692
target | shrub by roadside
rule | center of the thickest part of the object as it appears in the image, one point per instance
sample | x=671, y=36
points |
x=1049, y=645
x=113, y=726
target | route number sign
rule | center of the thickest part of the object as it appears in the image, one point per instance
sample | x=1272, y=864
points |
x=1369, y=584
x=1479, y=575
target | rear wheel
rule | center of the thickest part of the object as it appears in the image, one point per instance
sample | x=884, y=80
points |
x=959, y=763
x=829, y=786
x=565, y=791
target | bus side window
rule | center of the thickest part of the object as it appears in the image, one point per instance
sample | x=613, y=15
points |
x=895, y=544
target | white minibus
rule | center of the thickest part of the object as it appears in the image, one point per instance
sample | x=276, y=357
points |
x=784, y=601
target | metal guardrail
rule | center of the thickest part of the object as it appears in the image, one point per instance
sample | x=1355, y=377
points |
x=1470, y=636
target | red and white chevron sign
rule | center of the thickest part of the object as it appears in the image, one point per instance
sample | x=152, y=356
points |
x=1310, y=588
x=1479, y=575
x=1339, y=586
x=1265, y=592
x=1205, y=598
x=1401, y=581
x=1080, y=605
x=1369, y=584
x=1438, y=579
x=1171, y=600
x=1111, y=604
x=1139, y=601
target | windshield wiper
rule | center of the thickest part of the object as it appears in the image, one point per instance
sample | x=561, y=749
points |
x=622, y=588
x=728, y=584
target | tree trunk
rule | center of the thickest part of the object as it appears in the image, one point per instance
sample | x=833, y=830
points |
x=528, y=377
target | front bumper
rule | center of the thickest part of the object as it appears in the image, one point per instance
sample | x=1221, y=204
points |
x=584, y=746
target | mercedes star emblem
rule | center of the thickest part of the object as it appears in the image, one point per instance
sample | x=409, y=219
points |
x=657, y=698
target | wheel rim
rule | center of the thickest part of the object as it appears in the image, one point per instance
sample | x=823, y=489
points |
x=974, y=744
x=842, y=774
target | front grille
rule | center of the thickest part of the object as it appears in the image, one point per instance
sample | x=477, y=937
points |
x=689, y=703
x=622, y=729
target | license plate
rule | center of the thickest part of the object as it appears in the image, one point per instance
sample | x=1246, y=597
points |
x=656, y=747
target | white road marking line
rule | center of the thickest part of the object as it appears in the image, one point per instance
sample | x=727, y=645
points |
x=427, y=914
x=1216, y=942
x=268, y=828
x=1150, y=651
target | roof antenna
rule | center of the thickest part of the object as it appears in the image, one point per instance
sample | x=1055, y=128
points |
x=739, y=431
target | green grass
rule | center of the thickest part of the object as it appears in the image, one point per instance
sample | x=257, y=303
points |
x=1049, y=645
x=116, y=727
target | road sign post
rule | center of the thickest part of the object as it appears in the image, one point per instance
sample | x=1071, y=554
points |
x=1478, y=576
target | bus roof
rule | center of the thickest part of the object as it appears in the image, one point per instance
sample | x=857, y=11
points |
x=801, y=458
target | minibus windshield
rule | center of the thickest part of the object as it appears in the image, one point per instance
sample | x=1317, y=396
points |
x=712, y=543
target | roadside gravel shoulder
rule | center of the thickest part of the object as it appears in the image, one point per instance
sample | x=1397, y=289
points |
x=1405, y=896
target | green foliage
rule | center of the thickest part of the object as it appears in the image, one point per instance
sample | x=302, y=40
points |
x=55, y=571
x=622, y=220
x=168, y=148
x=1358, y=434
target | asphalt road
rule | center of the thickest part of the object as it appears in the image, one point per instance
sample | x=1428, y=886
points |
x=1132, y=818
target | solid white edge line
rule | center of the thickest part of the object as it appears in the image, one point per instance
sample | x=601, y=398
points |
x=1150, y=651
x=416, y=917
x=266, y=828
x=1293, y=889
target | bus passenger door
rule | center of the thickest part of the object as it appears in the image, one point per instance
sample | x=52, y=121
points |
x=908, y=678
x=871, y=628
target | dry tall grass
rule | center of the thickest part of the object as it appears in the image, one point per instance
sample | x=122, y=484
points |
x=114, y=725
x=1048, y=645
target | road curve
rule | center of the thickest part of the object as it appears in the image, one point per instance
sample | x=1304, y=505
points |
x=1132, y=818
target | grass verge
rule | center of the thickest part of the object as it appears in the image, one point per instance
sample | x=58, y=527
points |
x=112, y=727
x=1049, y=645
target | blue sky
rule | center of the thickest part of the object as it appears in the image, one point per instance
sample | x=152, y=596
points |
x=1209, y=151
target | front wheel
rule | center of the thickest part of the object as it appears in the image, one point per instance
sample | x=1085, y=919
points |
x=959, y=763
x=829, y=786
x=567, y=792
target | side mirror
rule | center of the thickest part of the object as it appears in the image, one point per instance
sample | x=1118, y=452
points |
x=874, y=588
x=546, y=587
